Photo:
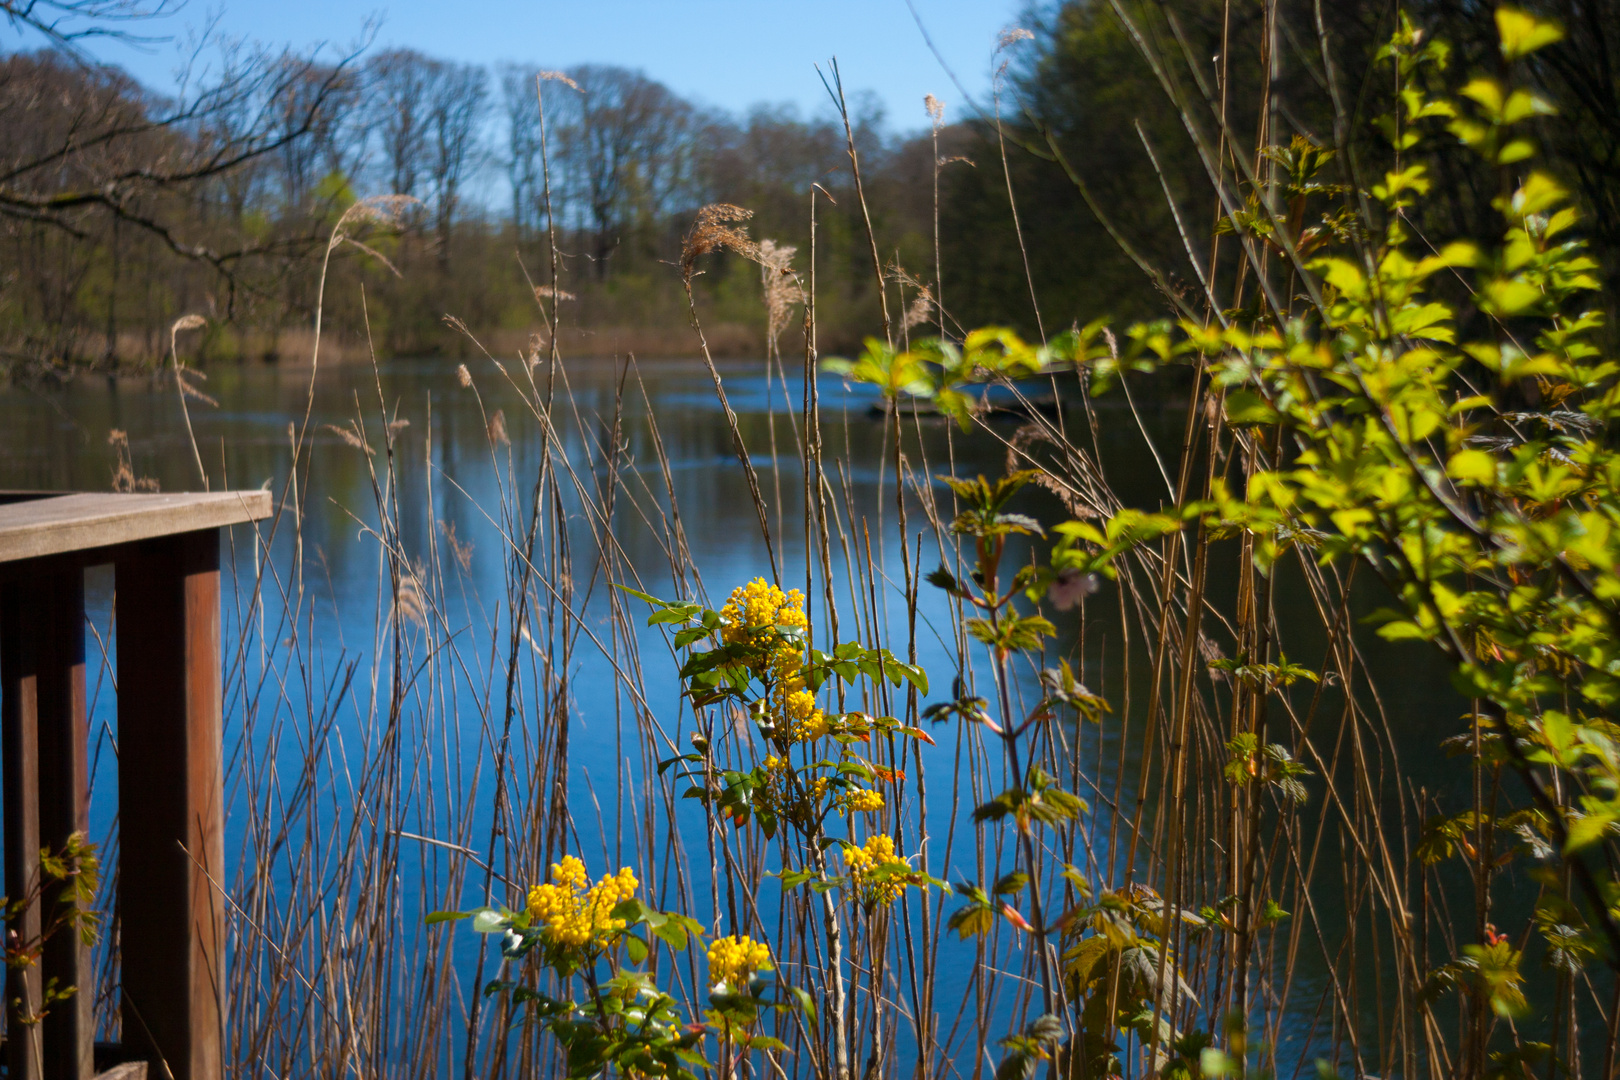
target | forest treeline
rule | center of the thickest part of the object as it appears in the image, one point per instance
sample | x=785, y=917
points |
x=122, y=210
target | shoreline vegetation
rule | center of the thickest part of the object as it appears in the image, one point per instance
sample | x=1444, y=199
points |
x=294, y=349
x=994, y=763
x=126, y=209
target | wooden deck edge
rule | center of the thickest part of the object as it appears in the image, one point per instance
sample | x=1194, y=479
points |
x=80, y=522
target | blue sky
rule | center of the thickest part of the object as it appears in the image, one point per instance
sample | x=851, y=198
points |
x=725, y=53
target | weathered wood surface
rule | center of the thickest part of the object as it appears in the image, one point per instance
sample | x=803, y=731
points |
x=64, y=809
x=19, y=726
x=171, y=814
x=166, y=549
x=54, y=525
x=42, y=666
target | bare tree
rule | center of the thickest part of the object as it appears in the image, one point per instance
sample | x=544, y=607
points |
x=458, y=97
x=66, y=23
x=400, y=81
x=86, y=141
x=522, y=159
x=625, y=150
x=336, y=143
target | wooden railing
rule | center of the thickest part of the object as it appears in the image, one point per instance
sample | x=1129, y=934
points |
x=171, y=930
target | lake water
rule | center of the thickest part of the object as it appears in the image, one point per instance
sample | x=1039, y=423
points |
x=449, y=482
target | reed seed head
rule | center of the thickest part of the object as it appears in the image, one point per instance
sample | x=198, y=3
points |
x=1012, y=36
x=557, y=76
x=713, y=230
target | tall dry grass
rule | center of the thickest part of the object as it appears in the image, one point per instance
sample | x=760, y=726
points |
x=434, y=765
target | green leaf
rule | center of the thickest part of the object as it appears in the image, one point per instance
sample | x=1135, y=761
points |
x=1523, y=33
x=1248, y=407
x=1472, y=466
x=1272, y=913
x=489, y=921
x=446, y=916
x=672, y=934
x=1587, y=830
x=689, y=635
x=1011, y=883
x=942, y=578
x=639, y=595
x=792, y=879
x=807, y=1004
x=1508, y=297
x=972, y=921
x=1402, y=630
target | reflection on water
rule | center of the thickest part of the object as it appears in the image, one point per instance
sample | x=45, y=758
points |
x=449, y=474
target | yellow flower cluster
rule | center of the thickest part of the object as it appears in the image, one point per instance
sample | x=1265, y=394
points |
x=804, y=721
x=779, y=797
x=756, y=614
x=733, y=960
x=758, y=608
x=860, y=801
x=876, y=854
x=569, y=918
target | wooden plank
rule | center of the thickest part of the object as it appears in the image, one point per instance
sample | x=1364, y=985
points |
x=39, y=527
x=19, y=746
x=170, y=804
x=12, y=495
x=64, y=809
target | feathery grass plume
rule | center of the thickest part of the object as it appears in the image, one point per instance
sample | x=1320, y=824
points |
x=409, y=605
x=461, y=550
x=185, y=389
x=920, y=311
x=181, y=372
x=497, y=429
x=350, y=435
x=548, y=292
x=557, y=76
x=193, y=392
x=463, y=376
x=124, y=478
x=185, y=374
x=774, y=256
x=1012, y=36
x=712, y=231
x=384, y=211
x=1050, y=475
x=936, y=112
x=782, y=289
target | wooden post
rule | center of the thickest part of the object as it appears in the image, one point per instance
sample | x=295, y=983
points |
x=170, y=804
x=166, y=549
x=19, y=728
x=64, y=809
x=42, y=665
